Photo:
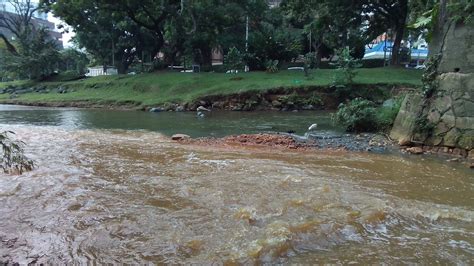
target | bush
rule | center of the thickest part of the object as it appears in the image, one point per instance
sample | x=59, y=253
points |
x=357, y=116
x=360, y=115
x=63, y=76
x=272, y=66
x=386, y=115
x=233, y=60
x=346, y=66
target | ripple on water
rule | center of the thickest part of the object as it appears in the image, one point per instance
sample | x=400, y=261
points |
x=136, y=197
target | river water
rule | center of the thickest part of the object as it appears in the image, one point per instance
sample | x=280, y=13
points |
x=110, y=190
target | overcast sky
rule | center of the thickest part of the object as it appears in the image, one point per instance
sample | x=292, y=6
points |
x=66, y=36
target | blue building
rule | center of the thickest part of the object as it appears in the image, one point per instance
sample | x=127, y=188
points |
x=383, y=50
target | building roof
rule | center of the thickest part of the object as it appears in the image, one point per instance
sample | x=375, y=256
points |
x=385, y=48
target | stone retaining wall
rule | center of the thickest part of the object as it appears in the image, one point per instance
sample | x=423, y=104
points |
x=446, y=119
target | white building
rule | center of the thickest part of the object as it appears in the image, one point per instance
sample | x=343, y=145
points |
x=99, y=71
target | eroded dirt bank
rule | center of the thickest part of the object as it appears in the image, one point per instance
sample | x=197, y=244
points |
x=365, y=142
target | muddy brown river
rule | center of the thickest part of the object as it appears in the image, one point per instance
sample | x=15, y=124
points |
x=133, y=196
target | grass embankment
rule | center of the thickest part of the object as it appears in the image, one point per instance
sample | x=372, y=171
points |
x=162, y=87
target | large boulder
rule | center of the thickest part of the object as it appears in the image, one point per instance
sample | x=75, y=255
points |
x=178, y=137
x=404, y=125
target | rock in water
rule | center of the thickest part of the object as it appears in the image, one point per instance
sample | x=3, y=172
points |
x=415, y=150
x=179, y=137
x=201, y=115
x=202, y=108
x=156, y=110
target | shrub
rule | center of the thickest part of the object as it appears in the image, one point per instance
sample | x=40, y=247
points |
x=12, y=158
x=63, y=76
x=346, y=66
x=386, y=115
x=360, y=115
x=233, y=59
x=357, y=116
x=272, y=66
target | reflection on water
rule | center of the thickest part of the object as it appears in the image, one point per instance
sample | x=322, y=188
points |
x=110, y=196
x=214, y=124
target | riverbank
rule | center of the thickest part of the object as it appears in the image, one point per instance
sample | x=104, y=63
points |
x=285, y=90
x=364, y=142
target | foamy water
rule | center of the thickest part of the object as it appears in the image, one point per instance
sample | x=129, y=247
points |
x=110, y=196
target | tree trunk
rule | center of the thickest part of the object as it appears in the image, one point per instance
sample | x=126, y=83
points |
x=319, y=55
x=399, y=32
x=122, y=68
x=206, y=57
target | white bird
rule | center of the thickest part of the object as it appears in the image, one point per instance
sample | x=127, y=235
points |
x=313, y=127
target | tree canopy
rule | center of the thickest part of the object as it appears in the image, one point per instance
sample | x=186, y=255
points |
x=125, y=32
x=31, y=53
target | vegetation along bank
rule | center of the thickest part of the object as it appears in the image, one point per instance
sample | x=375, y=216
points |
x=164, y=91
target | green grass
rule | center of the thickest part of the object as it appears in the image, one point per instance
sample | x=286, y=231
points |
x=160, y=87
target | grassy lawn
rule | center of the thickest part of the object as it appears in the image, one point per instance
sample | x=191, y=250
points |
x=161, y=87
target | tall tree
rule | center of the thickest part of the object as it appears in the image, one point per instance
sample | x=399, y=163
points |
x=175, y=28
x=327, y=24
x=32, y=54
x=108, y=34
x=19, y=23
x=383, y=15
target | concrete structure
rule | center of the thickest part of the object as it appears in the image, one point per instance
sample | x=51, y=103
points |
x=383, y=50
x=217, y=56
x=444, y=117
x=99, y=71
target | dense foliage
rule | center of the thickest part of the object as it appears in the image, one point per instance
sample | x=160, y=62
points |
x=346, y=66
x=234, y=59
x=125, y=32
x=74, y=61
x=157, y=33
x=31, y=53
x=34, y=59
x=462, y=10
x=357, y=116
x=360, y=115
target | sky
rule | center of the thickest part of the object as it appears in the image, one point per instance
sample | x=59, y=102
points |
x=66, y=36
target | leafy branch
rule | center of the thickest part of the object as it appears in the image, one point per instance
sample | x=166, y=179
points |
x=12, y=157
